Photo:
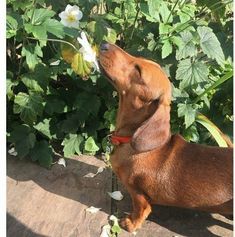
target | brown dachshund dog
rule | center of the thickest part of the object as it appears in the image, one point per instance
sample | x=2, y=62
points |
x=155, y=166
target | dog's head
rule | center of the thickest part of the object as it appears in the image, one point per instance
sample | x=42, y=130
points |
x=145, y=92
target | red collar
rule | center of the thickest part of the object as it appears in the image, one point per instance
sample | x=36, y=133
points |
x=117, y=140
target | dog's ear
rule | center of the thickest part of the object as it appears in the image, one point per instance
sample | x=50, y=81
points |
x=155, y=131
x=135, y=74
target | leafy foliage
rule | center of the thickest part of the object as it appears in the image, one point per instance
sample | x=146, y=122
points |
x=50, y=104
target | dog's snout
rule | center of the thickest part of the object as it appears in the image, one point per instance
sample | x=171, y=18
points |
x=104, y=46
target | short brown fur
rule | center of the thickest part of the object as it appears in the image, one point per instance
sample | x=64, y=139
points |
x=157, y=167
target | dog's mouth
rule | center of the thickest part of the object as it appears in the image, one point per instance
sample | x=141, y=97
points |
x=104, y=66
x=102, y=70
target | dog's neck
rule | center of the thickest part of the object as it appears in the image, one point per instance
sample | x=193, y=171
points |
x=124, y=124
x=124, y=127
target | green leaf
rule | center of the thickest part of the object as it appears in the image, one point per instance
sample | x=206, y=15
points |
x=176, y=40
x=166, y=49
x=55, y=27
x=44, y=127
x=191, y=73
x=164, y=28
x=10, y=84
x=71, y=32
x=187, y=13
x=38, y=31
x=116, y=229
x=165, y=13
x=72, y=144
x=29, y=107
x=87, y=103
x=191, y=134
x=12, y=26
x=54, y=105
x=178, y=94
x=49, y=128
x=186, y=46
x=23, y=139
x=110, y=119
x=188, y=112
x=37, y=80
x=100, y=30
x=90, y=145
x=129, y=9
x=38, y=16
x=42, y=153
x=31, y=83
x=213, y=129
x=153, y=9
x=144, y=9
x=40, y=24
x=113, y=18
x=111, y=36
x=23, y=4
x=31, y=52
x=72, y=122
x=210, y=44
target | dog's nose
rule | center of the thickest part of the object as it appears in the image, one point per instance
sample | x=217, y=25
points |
x=104, y=46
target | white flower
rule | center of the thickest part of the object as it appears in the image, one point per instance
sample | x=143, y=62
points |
x=92, y=209
x=70, y=16
x=106, y=231
x=92, y=175
x=114, y=219
x=12, y=151
x=117, y=195
x=88, y=53
x=61, y=161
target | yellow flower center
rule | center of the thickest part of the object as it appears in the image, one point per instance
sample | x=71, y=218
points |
x=71, y=18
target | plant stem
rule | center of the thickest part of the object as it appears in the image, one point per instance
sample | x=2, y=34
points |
x=224, y=78
x=172, y=11
x=136, y=17
x=55, y=40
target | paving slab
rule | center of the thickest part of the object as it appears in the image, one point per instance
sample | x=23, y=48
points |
x=43, y=202
x=52, y=203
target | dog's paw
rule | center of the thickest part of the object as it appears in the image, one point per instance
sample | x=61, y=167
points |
x=127, y=224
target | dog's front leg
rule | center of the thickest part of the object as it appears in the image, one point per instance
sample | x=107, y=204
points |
x=141, y=210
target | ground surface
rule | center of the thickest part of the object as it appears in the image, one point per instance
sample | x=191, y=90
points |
x=52, y=203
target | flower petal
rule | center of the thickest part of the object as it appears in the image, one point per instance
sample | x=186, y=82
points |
x=85, y=41
x=12, y=151
x=113, y=218
x=106, y=231
x=116, y=195
x=92, y=209
x=65, y=22
x=88, y=53
x=63, y=15
x=79, y=15
x=74, y=24
x=89, y=175
x=92, y=175
x=74, y=8
x=100, y=170
x=88, y=57
x=61, y=161
x=68, y=8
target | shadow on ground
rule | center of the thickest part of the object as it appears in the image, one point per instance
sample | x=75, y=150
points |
x=19, y=227
x=70, y=183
